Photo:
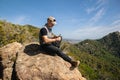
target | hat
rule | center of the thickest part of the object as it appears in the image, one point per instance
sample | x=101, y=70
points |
x=52, y=19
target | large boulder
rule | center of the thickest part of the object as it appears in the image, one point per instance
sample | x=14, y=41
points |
x=32, y=64
x=29, y=62
x=8, y=55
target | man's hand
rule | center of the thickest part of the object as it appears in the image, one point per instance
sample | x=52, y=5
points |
x=58, y=38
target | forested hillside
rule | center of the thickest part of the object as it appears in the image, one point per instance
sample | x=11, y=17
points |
x=112, y=43
x=100, y=58
x=10, y=32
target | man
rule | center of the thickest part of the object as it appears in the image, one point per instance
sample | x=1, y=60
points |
x=48, y=41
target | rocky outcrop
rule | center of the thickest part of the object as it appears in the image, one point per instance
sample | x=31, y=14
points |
x=34, y=64
x=8, y=57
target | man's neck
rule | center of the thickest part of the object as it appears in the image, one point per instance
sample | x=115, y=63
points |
x=49, y=28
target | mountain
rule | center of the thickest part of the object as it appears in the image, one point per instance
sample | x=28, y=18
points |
x=109, y=43
x=100, y=58
x=112, y=43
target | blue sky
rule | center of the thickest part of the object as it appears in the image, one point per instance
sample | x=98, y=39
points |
x=76, y=19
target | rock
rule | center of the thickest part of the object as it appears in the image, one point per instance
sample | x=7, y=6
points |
x=7, y=59
x=35, y=65
x=18, y=62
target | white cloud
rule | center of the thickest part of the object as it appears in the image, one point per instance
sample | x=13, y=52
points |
x=97, y=16
x=99, y=4
x=89, y=10
x=20, y=19
x=116, y=22
x=86, y=32
x=95, y=32
x=97, y=10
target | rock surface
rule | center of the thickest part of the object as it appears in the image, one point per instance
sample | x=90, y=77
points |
x=33, y=64
x=8, y=56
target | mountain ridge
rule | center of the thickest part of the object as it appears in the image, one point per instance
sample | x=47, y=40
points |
x=106, y=63
x=112, y=43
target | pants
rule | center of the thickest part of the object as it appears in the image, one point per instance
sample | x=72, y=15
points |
x=53, y=50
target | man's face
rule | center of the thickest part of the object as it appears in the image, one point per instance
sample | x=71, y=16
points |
x=50, y=23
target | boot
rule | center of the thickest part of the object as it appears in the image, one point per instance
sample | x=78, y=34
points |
x=75, y=63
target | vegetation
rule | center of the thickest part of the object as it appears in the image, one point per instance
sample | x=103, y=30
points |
x=98, y=62
x=112, y=43
x=100, y=59
x=12, y=32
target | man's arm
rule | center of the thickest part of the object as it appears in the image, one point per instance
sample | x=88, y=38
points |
x=45, y=38
x=49, y=40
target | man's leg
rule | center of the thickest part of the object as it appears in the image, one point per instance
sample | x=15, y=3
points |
x=54, y=50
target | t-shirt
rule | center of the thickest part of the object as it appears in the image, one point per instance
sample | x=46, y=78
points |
x=43, y=32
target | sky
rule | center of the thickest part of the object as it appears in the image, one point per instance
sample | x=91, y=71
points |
x=76, y=19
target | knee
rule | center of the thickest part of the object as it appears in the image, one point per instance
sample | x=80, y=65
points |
x=58, y=51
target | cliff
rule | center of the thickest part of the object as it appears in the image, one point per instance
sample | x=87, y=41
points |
x=28, y=62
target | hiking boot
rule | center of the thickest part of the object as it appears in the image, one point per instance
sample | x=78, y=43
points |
x=75, y=63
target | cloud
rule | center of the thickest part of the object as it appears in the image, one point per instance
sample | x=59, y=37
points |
x=99, y=10
x=20, y=19
x=95, y=32
x=89, y=10
x=97, y=16
x=99, y=4
x=116, y=22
